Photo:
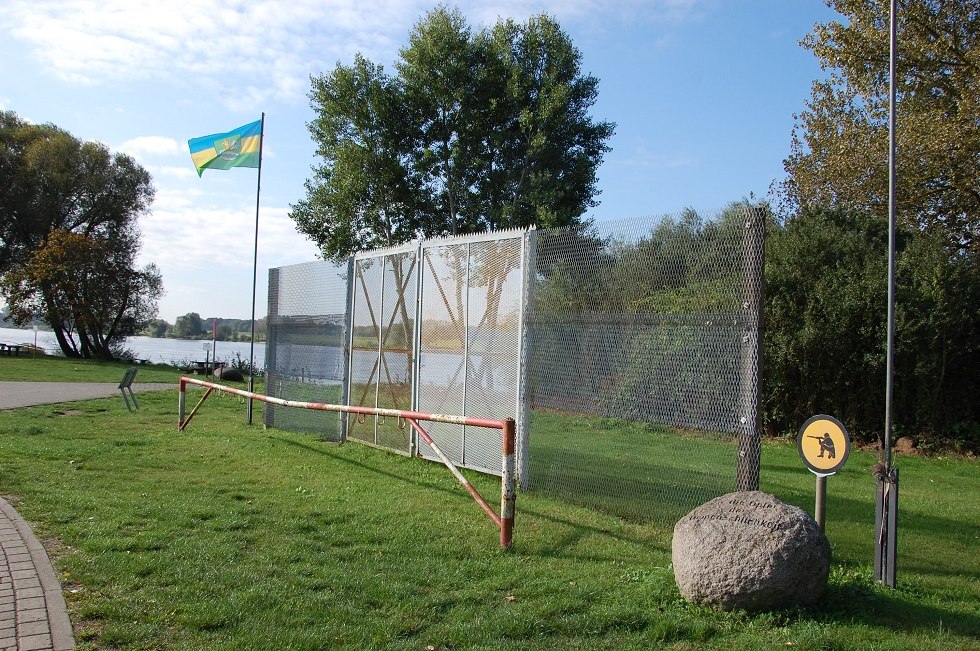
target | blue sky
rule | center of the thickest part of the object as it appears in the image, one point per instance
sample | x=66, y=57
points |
x=703, y=93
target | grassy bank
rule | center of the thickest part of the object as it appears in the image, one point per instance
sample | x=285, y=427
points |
x=233, y=537
x=60, y=369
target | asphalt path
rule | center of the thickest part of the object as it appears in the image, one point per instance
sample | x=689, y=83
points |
x=28, y=394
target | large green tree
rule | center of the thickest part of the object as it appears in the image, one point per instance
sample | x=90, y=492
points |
x=477, y=130
x=55, y=185
x=839, y=149
x=88, y=290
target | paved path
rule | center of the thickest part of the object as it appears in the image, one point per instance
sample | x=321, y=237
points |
x=33, y=615
x=26, y=394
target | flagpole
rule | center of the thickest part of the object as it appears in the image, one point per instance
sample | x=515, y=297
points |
x=255, y=272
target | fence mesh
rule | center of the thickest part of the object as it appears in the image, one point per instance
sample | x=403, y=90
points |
x=305, y=347
x=382, y=357
x=628, y=352
x=655, y=323
x=469, y=342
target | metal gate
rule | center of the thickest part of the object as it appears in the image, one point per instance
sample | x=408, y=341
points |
x=382, y=346
x=436, y=327
x=469, y=362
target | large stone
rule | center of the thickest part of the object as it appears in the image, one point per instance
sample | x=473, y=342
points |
x=750, y=551
x=229, y=373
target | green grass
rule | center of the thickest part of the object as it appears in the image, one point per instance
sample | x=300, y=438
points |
x=226, y=536
x=61, y=369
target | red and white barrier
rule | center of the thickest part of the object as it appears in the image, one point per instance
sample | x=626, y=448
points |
x=508, y=494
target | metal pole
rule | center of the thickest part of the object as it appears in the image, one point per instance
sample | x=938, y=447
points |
x=820, y=508
x=889, y=359
x=508, y=491
x=886, y=511
x=753, y=271
x=255, y=270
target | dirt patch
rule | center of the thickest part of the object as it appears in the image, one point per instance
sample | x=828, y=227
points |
x=13, y=500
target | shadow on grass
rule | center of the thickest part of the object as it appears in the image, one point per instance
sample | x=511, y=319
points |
x=369, y=468
x=858, y=601
x=558, y=548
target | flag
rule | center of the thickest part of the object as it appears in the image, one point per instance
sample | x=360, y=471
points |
x=222, y=151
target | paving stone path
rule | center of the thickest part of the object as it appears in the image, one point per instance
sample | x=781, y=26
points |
x=33, y=615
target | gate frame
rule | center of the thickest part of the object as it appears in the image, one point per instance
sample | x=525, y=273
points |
x=419, y=247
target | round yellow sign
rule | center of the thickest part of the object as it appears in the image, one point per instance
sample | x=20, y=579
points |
x=824, y=444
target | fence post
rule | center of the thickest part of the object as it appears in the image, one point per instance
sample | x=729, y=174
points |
x=526, y=332
x=749, y=425
x=271, y=340
x=508, y=492
x=348, y=345
x=181, y=402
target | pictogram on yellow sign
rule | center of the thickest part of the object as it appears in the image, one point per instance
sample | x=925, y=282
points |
x=824, y=444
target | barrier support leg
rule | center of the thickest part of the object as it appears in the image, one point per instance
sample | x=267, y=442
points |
x=508, y=492
x=181, y=404
x=194, y=410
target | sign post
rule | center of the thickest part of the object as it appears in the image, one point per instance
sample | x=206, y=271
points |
x=823, y=444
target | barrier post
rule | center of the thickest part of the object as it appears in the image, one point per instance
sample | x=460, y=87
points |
x=181, y=403
x=508, y=492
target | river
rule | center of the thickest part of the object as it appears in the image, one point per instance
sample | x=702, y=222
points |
x=157, y=350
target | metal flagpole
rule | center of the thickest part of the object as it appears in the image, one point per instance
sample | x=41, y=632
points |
x=886, y=507
x=255, y=272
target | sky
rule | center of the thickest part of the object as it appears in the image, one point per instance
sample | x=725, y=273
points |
x=703, y=93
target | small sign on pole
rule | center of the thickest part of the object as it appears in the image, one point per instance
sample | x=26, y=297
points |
x=823, y=444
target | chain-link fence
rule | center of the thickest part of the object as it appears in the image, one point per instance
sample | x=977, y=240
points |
x=305, y=356
x=628, y=353
x=652, y=321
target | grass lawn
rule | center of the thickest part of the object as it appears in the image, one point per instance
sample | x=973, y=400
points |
x=226, y=536
x=60, y=369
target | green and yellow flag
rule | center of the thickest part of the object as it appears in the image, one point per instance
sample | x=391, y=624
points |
x=222, y=151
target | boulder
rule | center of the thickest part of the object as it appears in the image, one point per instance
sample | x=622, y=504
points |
x=229, y=373
x=748, y=550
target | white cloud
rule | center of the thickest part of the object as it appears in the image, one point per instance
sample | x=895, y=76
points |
x=641, y=156
x=152, y=145
x=276, y=48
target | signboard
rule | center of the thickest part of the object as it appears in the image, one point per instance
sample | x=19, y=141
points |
x=824, y=444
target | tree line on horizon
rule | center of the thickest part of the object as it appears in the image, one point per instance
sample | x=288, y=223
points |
x=193, y=326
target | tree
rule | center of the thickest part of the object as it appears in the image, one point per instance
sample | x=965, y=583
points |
x=87, y=290
x=156, y=328
x=51, y=180
x=839, y=149
x=188, y=326
x=825, y=328
x=67, y=202
x=476, y=131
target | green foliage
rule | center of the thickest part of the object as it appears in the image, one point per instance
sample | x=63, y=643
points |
x=87, y=289
x=476, y=131
x=839, y=151
x=825, y=321
x=188, y=326
x=66, y=202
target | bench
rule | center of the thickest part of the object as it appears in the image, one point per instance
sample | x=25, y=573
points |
x=10, y=349
x=126, y=384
